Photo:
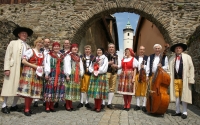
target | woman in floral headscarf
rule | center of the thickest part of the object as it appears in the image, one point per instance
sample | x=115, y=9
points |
x=127, y=77
x=74, y=74
x=98, y=86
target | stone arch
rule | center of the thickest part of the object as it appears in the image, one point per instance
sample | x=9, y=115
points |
x=144, y=9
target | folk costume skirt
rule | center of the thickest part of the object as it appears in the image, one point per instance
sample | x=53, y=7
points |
x=126, y=86
x=54, y=93
x=98, y=87
x=30, y=85
x=72, y=88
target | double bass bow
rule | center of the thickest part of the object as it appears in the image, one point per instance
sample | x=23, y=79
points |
x=158, y=98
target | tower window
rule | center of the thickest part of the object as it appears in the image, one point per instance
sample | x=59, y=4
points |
x=128, y=34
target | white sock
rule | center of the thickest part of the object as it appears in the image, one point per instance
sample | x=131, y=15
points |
x=110, y=97
x=138, y=101
x=5, y=102
x=86, y=99
x=184, y=104
x=103, y=102
x=35, y=100
x=16, y=98
x=177, y=105
x=82, y=96
x=144, y=101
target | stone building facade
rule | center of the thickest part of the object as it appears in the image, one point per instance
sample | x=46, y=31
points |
x=177, y=20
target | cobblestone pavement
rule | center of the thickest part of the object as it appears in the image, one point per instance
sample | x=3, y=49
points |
x=106, y=117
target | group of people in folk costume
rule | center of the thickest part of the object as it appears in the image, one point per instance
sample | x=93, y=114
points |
x=62, y=75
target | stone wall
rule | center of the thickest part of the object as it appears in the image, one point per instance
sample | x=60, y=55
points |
x=194, y=51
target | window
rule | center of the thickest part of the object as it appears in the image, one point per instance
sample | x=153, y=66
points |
x=128, y=34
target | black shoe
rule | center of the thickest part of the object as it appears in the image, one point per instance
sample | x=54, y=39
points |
x=110, y=106
x=144, y=109
x=72, y=109
x=27, y=113
x=35, y=104
x=127, y=109
x=136, y=108
x=44, y=103
x=56, y=105
x=15, y=108
x=102, y=106
x=47, y=111
x=183, y=116
x=52, y=110
x=68, y=109
x=176, y=114
x=80, y=105
x=94, y=109
x=31, y=112
x=124, y=108
x=5, y=110
x=88, y=106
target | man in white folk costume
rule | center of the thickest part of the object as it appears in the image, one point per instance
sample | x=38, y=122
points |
x=13, y=67
x=182, y=78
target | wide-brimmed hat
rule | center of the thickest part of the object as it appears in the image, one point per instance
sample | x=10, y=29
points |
x=22, y=29
x=184, y=46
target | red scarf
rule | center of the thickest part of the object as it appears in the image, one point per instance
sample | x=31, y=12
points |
x=59, y=59
x=76, y=58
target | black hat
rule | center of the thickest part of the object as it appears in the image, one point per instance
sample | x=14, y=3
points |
x=184, y=46
x=21, y=29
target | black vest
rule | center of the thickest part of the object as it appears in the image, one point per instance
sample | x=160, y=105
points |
x=83, y=57
x=151, y=62
x=179, y=74
x=110, y=58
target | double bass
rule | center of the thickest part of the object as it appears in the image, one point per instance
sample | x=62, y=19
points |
x=157, y=96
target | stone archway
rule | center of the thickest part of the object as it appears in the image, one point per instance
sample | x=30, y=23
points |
x=150, y=12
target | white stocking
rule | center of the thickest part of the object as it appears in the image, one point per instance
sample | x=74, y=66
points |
x=103, y=101
x=35, y=100
x=16, y=98
x=177, y=105
x=110, y=97
x=86, y=99
x=184, y=104
x=5, y=102
x=144, y=101
x=138, y=100
x=82, y=96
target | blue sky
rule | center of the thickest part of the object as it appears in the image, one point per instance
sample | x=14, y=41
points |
x=122, y=19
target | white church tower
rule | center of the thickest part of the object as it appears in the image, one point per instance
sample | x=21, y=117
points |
x=128, y=36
